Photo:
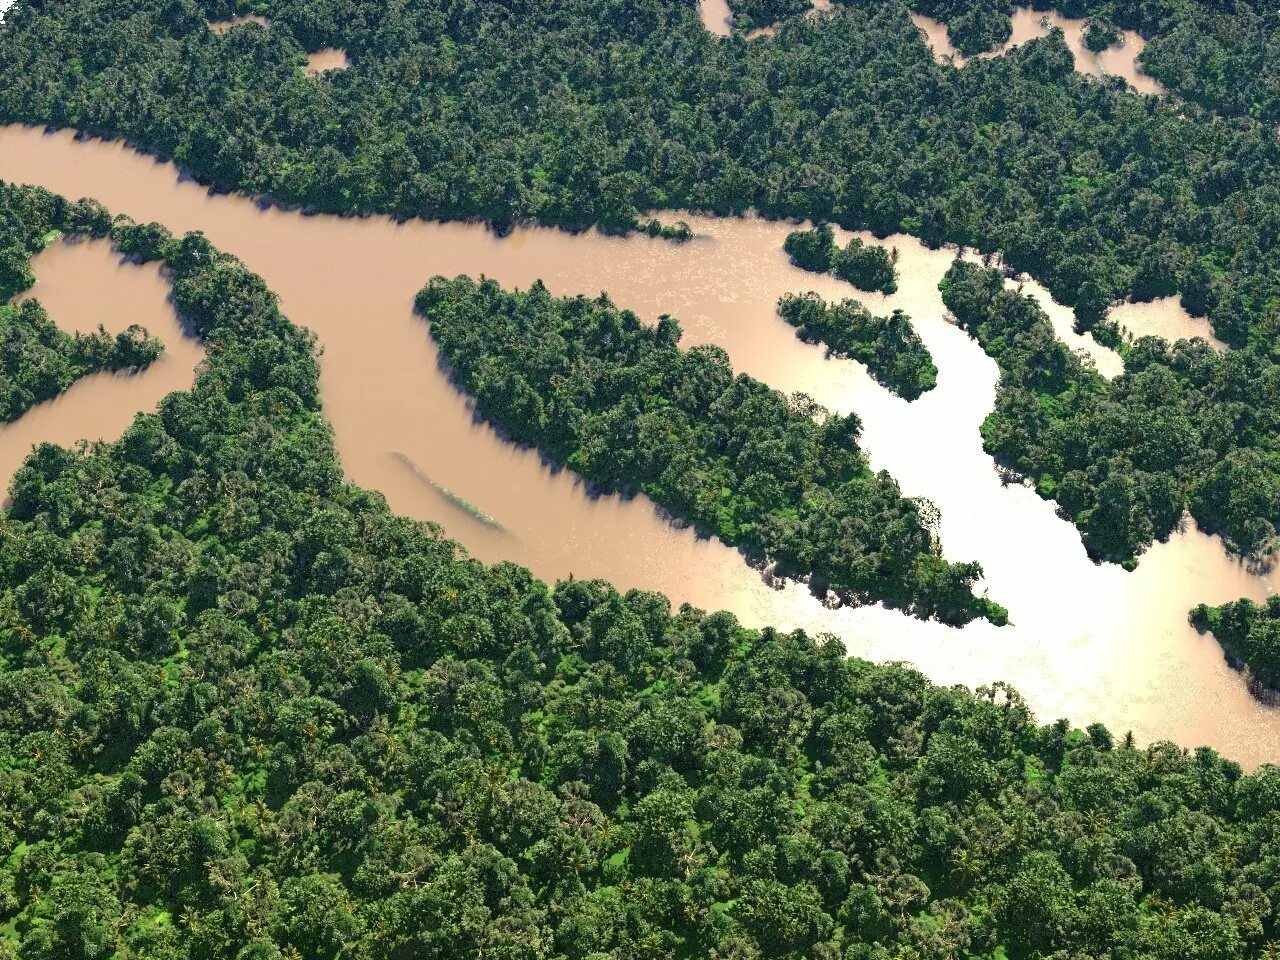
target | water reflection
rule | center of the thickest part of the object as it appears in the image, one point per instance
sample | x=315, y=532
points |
x=1088, y=642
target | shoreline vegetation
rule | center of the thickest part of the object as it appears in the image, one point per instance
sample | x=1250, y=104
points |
x=866, y=266
x=38, y=361
x=1250, y=636
x=622, y=405
x=248, y=712
x=1184, y=428
x=888, y=347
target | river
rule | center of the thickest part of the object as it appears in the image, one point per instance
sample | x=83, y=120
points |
x=1088, y=642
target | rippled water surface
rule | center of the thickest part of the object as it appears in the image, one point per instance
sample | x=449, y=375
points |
x=1088, y=642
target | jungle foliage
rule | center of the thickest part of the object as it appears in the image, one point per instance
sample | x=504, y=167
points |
x=247, y=713
x=888, y=347
x=622, y=405
x=1185, y=427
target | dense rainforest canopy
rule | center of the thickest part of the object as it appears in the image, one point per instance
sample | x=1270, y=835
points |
x=247, y=713
x=623, y=405
x=756, y=14
x=593, y=111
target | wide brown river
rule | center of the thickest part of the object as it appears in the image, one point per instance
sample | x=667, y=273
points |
x=1088, y=642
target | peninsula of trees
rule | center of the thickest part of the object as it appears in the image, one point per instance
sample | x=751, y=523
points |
x=39, y=361
x=1184, y=428
x=247, y=713
x=1249, y=633
x=622, y=405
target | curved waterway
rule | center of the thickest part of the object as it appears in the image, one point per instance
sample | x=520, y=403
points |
x=1117, y=61
x=83, y=285
x=1088, y=642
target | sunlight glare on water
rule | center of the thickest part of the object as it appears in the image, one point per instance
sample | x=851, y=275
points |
x=1088, y=642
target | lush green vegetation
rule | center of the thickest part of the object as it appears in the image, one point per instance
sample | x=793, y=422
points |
x=678, y=231
x=582, y=112
x=1099, y=34
x=751, y=14
x=246, y=713
x=622, y=405
x=1250, y=634
x=866, y=266
x=1184, y=428
x=888, y=347
x=1226, y=57
x=39, y=361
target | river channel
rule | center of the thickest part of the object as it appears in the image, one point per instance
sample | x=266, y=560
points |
x=1088, y=642
x=1120, y=60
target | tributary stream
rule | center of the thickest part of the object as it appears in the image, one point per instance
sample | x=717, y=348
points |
x=1088, y=642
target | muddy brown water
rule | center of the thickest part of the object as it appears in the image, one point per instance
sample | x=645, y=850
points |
x=221, y=27
x=326, y=59
x=321, y=61
x=716, y=17
x=83, y=285
x=1119, y=61
x=1088, y=642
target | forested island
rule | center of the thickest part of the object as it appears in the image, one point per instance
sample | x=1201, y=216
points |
x=755, y=14
x=888, y=347
x=1184, y=428
x=622, y=405
x=247, y=712
x=866, y=266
